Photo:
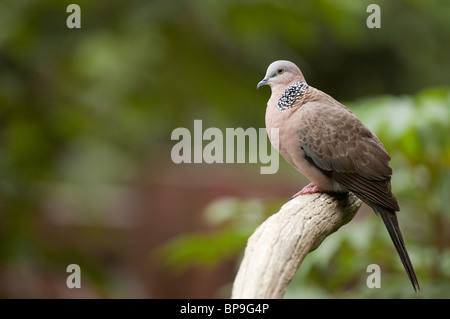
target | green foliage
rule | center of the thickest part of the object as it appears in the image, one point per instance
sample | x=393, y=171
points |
x=86, y=114
x=235, y=220
x=415, y=130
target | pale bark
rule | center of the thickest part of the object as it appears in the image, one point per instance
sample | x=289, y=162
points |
x=278, y=246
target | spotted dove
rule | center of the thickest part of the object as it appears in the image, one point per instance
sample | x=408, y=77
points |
x=329, y=145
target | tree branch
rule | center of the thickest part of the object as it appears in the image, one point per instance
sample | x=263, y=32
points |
x=278, y=246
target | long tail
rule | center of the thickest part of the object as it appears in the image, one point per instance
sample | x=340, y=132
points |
x=390, y=220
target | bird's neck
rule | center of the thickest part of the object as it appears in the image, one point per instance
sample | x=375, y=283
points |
x=289, y=97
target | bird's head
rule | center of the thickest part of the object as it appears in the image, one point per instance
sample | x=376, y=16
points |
x=281, y=73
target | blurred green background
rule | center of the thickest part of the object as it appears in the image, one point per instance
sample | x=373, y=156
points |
x=86, y=117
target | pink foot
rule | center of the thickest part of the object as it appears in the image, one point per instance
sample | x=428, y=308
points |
x=308, y=189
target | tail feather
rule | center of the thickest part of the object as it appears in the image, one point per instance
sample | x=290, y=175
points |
x=390, y=220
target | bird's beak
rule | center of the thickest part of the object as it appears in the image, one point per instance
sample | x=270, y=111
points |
x=262, y=82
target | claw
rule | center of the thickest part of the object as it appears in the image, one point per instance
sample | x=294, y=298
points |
x=308, y=189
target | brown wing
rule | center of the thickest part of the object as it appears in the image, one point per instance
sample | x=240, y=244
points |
x=341, y=146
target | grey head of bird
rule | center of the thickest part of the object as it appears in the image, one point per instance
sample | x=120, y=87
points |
x=281, y=74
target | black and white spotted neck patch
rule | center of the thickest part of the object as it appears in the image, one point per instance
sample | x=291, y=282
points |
x=291, y=95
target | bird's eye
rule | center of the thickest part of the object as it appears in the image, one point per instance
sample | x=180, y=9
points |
x=280, y=71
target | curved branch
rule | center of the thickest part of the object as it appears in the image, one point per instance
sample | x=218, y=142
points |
x=278, y=246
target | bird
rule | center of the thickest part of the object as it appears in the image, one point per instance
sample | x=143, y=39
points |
x=329, y=145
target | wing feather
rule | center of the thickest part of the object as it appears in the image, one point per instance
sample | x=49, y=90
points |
x=341, y=146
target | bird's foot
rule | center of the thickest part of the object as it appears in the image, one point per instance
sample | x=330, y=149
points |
x=308, y=189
